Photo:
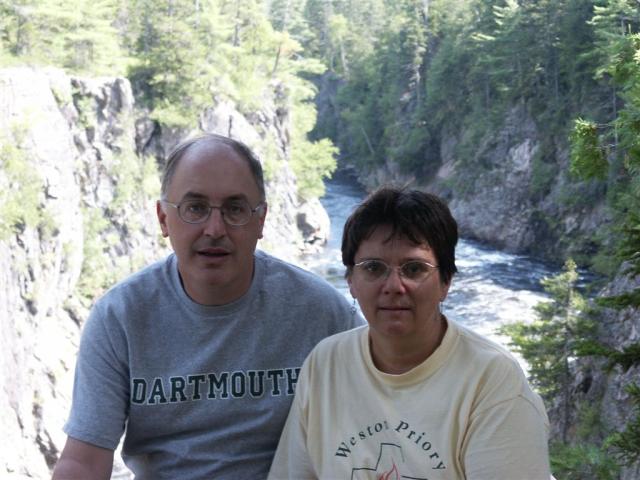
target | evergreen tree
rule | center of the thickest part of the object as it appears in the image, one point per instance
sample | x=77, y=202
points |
x=552, y=341
x=80, y=36
x=170, y=74
x=612, y=149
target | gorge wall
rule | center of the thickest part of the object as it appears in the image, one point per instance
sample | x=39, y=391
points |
x=514, y=191
x=599, y=401
x=78, y=183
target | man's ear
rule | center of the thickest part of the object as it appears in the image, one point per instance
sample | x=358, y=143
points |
x=261, y=218
x=162, y=219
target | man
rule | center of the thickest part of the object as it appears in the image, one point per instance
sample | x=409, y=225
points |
x=195, y=358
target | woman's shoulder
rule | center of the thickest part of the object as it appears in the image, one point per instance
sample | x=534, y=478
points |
x=492, y=362
x=347, y=340
x=483, y=347
x=497, y=372
x=338, y=349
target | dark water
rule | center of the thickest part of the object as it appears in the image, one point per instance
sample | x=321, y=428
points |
x=491, y=287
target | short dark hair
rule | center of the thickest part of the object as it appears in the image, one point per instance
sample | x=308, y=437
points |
x=240, y=148
x=420, y=217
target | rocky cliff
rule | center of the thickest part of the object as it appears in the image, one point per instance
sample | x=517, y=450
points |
x=599, y=400
x=78, y=182
x=512, y=192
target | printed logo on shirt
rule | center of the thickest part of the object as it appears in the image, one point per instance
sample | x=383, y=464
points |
x=391, y=456
x=390, y=466
x=214, y=385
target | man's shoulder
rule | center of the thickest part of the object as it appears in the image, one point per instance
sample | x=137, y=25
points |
x=141, y=281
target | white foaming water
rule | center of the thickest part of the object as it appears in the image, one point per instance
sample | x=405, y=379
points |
x=490, y=289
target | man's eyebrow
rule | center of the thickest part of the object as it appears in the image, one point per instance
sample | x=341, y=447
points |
x=200, y=196
x=194, y=196
x=238, y=196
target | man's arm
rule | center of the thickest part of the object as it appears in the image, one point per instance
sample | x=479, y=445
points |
x=80, y=461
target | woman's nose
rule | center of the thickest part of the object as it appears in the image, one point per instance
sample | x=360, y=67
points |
x=393, y=282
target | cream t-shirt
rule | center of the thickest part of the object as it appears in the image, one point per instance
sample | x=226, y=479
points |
x=467, y=412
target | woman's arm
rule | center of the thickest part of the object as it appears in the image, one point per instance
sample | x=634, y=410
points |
x=508, y=440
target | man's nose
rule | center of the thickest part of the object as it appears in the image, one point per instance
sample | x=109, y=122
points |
x=214, y=226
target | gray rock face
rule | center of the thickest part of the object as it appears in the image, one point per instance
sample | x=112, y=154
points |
x=78, y=184
x=86, y=224
x=508, y=193
x=517, y=202
x=598, y=395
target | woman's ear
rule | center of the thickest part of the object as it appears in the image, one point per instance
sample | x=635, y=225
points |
x=352, y=288
x=444, y=290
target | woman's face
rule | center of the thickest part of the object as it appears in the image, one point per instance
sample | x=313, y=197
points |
x=395, y=306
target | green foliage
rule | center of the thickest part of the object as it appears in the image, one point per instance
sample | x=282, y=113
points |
x=184, y=52
x=86, y=107
x=624, y=300
x=381, y=102
x=577, y=462
x=553, y=339
x=630, y=244
x=455, y=68
x=79, y=36
x=136, y=181
x=627, y=443
x=150, y=177
x=588, y=158
x=178, y=54
x=561, y=332
x=542, y=175
x=97, y=269
x=312, y=162
x=171, y=66
x=20, y=188
x=628, y=357
x=135, y=178
x=342, y=32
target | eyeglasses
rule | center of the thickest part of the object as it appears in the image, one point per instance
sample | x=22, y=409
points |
x=235, y=212
x=415, y=271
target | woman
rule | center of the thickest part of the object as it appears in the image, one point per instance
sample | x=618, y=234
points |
x=412, y=394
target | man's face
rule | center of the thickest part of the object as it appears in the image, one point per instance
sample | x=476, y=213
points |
x=215, y=260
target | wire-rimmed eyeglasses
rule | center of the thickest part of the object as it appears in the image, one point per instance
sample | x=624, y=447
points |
x=235, y=212
x=416, y=271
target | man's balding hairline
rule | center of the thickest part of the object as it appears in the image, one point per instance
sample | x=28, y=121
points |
x=212, y=139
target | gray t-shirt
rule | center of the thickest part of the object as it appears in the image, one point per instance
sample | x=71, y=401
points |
x=200, y=392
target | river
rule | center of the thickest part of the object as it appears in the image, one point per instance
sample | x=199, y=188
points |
x=491, y=287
